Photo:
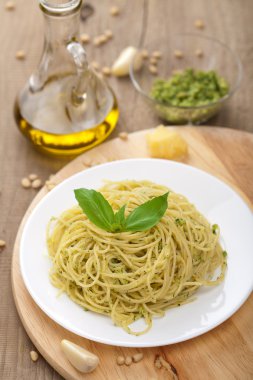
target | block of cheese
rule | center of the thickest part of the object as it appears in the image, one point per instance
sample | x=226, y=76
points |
x=166, y=143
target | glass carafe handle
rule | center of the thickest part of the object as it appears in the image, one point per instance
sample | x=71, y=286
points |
x=88, y=96
x=79, y=56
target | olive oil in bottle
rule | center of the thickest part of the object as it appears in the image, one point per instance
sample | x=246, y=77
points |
x=65, y=108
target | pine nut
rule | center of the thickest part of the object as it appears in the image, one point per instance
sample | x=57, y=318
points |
x=158, y=363
x=34, y=356
x=9, y=6
x=178, y=54
x=36, y=184
x=96, y=41
x=20, y=54
x=128, y=360
x=114, y=11
x=33, y=176
x=120, y=360
x=108, y=33
x=2, y=243
x=153, y=69
x=26, y=183
x=85, y=38
x=123, y=135
x=103, y=39
x=106, y=71
x=199, y=24
x=50, y=185
x=138, y=357
x=199, y=53
x=157, y=54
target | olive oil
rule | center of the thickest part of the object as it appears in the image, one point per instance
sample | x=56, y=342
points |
x=65, y=107
x=56, y=126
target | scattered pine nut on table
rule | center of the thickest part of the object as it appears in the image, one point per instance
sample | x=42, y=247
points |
x=20, y=55
x=120, y=360
x=178, y=54
x=2, y=243
x=114, y=11
x=153, y=69
x=10, y=6
x=34, y=356
x=33, y=176
x=157, y=54
x=26, y=183
x=123, y=135
x=36, y=184
x=199, y=24
x=128, y=360
x=85, y=38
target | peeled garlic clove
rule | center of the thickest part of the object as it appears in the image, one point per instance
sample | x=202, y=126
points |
x=121, y=66
x=80, y=358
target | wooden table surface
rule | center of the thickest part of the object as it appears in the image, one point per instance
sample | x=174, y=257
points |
x=22, y=28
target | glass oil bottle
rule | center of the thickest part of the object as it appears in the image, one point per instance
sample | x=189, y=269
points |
x=65, y=108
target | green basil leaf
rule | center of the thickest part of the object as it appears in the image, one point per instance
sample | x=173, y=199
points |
x=147, y=215
x=119, y=219
x=96, y=207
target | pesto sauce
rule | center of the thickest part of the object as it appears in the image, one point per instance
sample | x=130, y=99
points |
x=190, y=88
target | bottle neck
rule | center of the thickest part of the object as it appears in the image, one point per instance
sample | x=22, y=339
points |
x=62, y=29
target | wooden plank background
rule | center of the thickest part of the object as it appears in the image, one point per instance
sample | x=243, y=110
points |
x=227, y=20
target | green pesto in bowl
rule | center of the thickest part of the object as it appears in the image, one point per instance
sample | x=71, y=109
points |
x=180, y=96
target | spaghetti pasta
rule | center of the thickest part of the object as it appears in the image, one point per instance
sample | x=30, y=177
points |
x=130, y=275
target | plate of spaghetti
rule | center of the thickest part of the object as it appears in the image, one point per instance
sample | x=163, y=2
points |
x=139, y=253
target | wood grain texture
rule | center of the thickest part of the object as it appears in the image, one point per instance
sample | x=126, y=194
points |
x=228, y=20
x=213, y=355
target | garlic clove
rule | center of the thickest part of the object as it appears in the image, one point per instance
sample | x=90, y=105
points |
x=122, y=64
x=83, y=360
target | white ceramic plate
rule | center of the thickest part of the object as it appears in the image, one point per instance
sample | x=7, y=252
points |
x=216, y=200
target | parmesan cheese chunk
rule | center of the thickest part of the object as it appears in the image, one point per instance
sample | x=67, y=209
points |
x=166, y=143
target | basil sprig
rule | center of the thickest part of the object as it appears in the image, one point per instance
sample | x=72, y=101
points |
x=100, y=212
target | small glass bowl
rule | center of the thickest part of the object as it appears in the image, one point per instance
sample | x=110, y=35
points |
x=216, y=56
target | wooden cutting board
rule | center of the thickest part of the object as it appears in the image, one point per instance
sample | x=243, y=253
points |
x=223, y=353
